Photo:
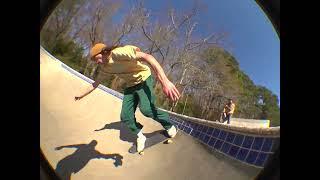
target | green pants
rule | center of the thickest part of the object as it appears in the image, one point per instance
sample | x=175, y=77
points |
x=143, y=95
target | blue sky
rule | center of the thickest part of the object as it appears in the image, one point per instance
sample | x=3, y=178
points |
x=251, y=38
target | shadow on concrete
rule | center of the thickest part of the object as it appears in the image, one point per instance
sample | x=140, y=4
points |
x=125, y=133
x=74, y=162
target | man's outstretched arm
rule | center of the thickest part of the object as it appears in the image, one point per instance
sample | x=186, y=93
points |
x=89, y=90
x=168, y=87
x=70, y=146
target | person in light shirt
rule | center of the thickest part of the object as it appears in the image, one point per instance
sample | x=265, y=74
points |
x=126, y=62
x=228, y=110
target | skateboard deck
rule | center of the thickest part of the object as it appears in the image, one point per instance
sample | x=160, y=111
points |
x=156, y=138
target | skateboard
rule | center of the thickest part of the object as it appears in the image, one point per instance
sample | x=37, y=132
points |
x=156, y=138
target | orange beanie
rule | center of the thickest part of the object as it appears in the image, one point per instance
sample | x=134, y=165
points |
x=96, y=49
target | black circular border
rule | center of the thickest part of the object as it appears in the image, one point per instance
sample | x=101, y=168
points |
x=270, y=7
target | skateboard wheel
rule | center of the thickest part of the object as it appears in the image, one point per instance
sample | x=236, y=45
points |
x=169, y=141
x=141, y=153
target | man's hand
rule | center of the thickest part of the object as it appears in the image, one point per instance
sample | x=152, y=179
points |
x=170, y=90
x=94, y=85
x=58, y=148
x=77, y=98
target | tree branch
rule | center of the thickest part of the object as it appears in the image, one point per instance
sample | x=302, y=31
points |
x=158, y=48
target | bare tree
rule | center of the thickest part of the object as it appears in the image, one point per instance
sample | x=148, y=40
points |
x=172, y=41
x=96, y=16
x=191, y=48
x=60, y=23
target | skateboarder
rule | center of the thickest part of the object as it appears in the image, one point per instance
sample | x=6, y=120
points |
x=126, y=62
x=228, y=111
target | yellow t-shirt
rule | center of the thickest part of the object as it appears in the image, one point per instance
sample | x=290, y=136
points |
x=230, y=109
x=124, y=64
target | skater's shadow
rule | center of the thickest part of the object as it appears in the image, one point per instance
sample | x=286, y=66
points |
x=125, y=133
x=76, y=161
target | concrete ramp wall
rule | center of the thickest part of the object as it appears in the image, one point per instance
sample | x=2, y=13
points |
x=85, y=139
